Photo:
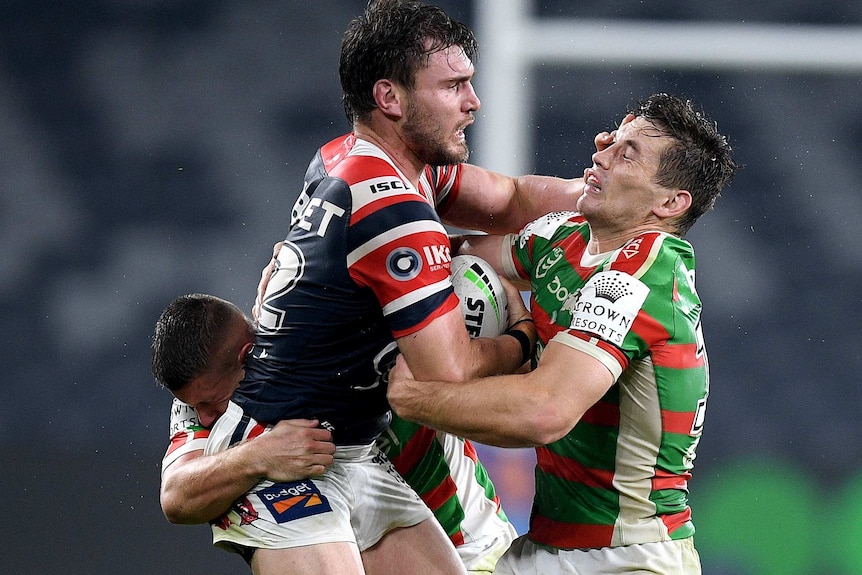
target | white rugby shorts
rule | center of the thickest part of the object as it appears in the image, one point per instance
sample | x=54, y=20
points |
x=358, y=499
x=667, y=557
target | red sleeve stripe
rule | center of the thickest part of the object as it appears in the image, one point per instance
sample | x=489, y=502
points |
x=677, y=356
x=570, y=535
x=184, y=437
x=336, y=150
x=612, y=350
x=650, y=330
x=676, y=520
x=396, y=233
x=359, y=167
x=666, y=480
x=681, y=422
x=256, y=430
x=571, y=470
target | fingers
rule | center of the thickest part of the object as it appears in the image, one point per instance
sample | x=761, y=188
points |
x=517, y=309
x=400, y=370
x=605, y=139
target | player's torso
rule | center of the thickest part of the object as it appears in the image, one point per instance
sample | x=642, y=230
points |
x=627, y=440
x=358, y=234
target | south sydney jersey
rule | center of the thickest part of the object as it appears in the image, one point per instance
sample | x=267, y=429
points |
x=620, y=476
x=365, y=260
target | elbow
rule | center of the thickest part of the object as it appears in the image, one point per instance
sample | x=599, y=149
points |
x=549, y=423
x=173, y=515
x=174, y=512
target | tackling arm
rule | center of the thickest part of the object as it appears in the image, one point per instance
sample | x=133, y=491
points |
x=520, y=410
x=197, y=488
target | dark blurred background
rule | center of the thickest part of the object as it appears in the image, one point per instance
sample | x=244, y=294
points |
x=150, y=149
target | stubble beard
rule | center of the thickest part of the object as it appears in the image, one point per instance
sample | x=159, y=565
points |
x=427, y=139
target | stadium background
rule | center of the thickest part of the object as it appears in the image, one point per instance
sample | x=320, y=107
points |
x=154, y=148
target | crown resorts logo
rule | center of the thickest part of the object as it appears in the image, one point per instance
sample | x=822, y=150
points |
x=612, y=286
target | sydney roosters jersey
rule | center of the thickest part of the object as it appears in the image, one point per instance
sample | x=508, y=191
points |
x=365, y=260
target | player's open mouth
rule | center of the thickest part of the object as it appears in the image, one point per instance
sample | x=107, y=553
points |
x=591, y=180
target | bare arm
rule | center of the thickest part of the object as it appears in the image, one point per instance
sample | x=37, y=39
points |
x=197, y=488
x=499, y=204
x=495, y=203
x=443, y=350
x=521, y=410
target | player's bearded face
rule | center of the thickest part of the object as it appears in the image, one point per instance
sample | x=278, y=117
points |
x=431, y=138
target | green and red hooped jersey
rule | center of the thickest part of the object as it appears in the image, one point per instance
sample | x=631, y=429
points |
x=446, y=472
x=620, y=477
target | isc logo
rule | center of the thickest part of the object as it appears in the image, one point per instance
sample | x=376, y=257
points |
x=387, y=186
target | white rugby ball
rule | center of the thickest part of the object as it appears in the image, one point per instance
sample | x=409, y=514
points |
x=483, y=300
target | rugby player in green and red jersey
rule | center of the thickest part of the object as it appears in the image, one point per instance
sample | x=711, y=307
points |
x=616, y=402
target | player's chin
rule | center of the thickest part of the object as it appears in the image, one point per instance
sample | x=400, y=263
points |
x=460, y=152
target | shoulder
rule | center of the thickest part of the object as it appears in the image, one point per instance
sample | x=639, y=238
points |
x=551, y=224
x=651, y=252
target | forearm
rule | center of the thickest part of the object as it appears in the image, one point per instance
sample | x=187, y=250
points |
x=499, y=355
x=536, y=196
x=203, y=488
x=499, y=204
x=489, y=410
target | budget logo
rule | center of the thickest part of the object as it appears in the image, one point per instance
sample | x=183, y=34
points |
x=289, y=501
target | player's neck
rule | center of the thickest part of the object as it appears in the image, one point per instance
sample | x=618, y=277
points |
x=394, y=147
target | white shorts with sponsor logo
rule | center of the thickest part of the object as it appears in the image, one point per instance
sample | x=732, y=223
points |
x=358, y=499
x=666, y=557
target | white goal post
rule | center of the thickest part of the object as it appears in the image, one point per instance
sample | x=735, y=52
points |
x=512, y=40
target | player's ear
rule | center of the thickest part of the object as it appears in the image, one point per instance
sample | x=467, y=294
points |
x=387, y=96
x=243, y=353
x=676, y=202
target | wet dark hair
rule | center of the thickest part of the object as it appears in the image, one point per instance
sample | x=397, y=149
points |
x=393, y=39
x=186, y=334
x=699, y=160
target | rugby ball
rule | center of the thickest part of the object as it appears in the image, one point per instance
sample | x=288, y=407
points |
x=483, y=300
